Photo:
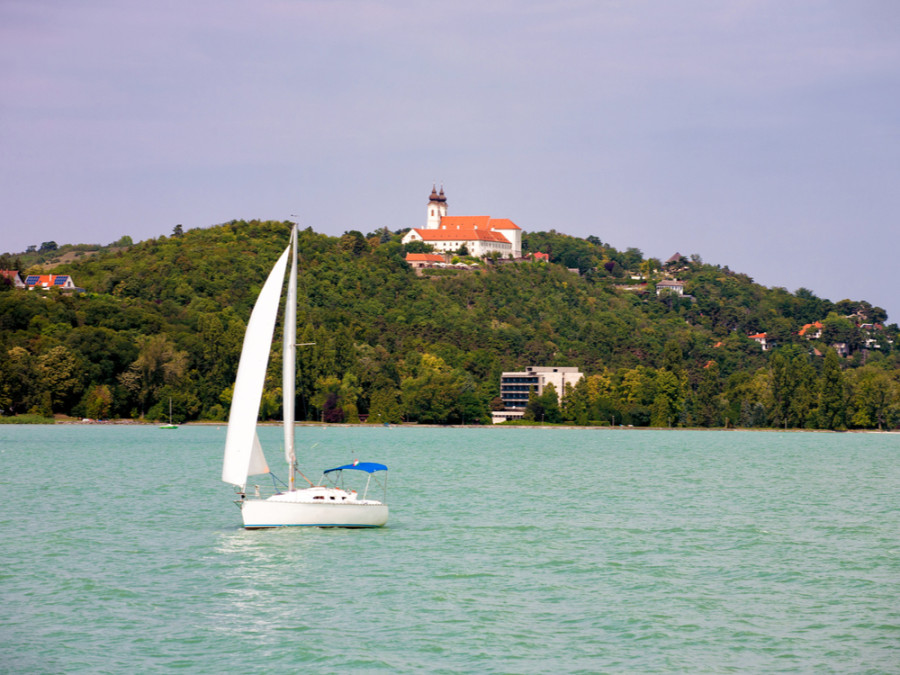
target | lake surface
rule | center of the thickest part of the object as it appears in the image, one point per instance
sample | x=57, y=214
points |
x=507, y=551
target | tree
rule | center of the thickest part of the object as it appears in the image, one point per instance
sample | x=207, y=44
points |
x=98, y=402
x=418, y=247
x=840, y=329
x=669, y=400
x=832, y=406
x=707, y=409
x=576, y=403
x=178, y=230
x=60, y=373
x=672, y=357
x=384, y=407
x=48, y=246
x=18, y=381
x=876, y=398
x=439, y=394
x=158, y=363
x=349, y=394
x=550, y=402
x=328, y=399
x=803, y=402
x=354, y=243
x=783, y=386
x=544, y=407
x=123, y=241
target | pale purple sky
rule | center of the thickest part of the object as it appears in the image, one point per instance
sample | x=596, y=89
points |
x=763, y=135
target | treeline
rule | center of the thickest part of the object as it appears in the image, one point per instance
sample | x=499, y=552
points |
x=793, y=391
x=164, y=319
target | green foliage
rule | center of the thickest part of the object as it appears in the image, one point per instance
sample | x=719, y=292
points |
x=166, y=317
x=832, y=397
x=544, y=407
x=27, y=419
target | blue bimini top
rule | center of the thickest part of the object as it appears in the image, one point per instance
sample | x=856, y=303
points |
x=368, y=467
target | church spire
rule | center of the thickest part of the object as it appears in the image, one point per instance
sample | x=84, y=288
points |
x=437, y=208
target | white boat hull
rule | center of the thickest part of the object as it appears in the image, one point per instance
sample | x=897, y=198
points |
x=260, y=513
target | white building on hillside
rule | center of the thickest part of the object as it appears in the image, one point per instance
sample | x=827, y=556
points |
x=670, y=286
x=515, y=387
x=481, y=235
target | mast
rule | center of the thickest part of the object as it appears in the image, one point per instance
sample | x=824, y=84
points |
x=289, y=365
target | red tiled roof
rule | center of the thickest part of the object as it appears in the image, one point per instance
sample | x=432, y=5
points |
x=465, y=223
x=424, y=257
x=758, y=336
x=477, y=223
x=504, y=224
x=817, y=324
x=461, y=235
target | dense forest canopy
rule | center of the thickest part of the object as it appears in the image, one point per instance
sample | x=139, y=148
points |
x=164, y=319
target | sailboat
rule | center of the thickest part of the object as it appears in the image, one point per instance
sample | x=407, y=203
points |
x=170, y=425
x=326, y=504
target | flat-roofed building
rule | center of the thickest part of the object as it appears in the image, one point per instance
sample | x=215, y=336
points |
x=515, y=387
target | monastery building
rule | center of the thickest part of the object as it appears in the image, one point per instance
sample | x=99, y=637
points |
x=481, y=235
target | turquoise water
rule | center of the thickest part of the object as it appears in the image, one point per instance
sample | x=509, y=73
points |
x=507, y=551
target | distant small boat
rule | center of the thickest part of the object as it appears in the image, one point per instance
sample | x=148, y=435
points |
x=169, y=425
x=318, y=505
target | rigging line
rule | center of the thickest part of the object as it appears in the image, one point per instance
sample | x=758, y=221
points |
x=276, y=480
x=302, y=475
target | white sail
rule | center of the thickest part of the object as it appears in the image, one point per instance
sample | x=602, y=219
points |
x=240, y=458
x=257, y=458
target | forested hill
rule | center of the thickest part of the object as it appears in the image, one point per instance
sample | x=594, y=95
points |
x=165, y=319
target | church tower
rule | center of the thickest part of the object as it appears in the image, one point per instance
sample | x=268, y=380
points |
x=437, y=209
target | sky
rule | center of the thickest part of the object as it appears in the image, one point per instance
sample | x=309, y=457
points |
x=763, y=135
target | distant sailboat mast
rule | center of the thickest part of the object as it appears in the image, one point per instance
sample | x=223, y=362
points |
x=289, y=374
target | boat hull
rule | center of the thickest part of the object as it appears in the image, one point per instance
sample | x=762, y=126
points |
x=263, y=513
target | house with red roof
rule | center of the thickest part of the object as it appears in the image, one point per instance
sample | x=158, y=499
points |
x=764, y=341
x=13, y=277
x=481, y=235
x=811, y=331
x=425, y=259
x=61, y=281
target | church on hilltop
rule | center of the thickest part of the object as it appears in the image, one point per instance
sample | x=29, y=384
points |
x=481, y=235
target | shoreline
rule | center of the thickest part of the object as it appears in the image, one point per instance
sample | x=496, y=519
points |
x=71, y=421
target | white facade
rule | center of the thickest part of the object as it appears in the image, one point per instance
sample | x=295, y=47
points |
x=515, y=386
x=501, y=416
x=668, y=286
x=478, y=244
x=514, y=235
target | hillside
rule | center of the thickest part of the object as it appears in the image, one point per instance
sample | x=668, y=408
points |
x=165, y=318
